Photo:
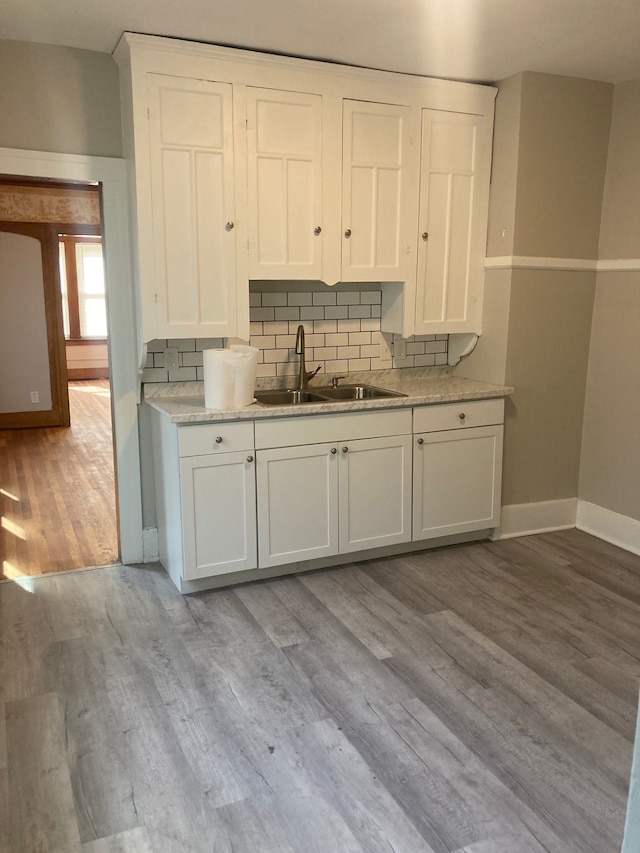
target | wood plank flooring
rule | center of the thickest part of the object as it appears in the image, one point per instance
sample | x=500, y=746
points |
x=57, y=490
x=477, y=699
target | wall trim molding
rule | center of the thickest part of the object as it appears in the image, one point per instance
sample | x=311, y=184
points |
x=547, y=516
x=522, y=262
x=540, y=517
x=620, y=530
x=619, y=265
x=513, y=262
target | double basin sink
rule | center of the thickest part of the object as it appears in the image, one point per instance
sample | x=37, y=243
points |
x=324, y=394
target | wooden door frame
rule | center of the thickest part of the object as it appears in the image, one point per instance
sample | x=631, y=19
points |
x=58, y=414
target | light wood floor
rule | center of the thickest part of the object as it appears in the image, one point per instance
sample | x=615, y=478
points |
x=57, y=490
x=479, y=698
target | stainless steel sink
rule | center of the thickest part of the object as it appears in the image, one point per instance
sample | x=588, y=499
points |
x=324, y=394
x=356, y=392
x=288, y=397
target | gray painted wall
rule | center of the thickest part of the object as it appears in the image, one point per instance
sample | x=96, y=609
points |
x=549, y=165
x=59, y=99
x=610, y=466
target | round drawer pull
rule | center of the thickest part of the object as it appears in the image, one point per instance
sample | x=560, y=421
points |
x=218, y=439
x=228, y=226
x=347, y=233
x=425, y=236
x=249, y=458
x=421, y=441
x=317, y=230
x=345, y=449
x=334, y=450
x=462, y=416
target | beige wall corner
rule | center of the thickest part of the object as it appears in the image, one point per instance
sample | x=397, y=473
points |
x=620, y=232
x=610, y=464
x=502, y=196
x=564, y=134
x=488, y=359
x=548, y=344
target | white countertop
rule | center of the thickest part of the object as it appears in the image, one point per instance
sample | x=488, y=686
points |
x=183, y=402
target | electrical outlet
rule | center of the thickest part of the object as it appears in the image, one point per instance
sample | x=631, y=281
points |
x=399, y=348
x=171, y=358
x=35, y=396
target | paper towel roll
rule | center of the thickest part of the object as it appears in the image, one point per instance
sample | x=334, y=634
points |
x=246, y=369
x=219, y=378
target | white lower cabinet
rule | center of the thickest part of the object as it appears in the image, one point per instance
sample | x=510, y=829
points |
x=457, y=472
x=219, y=514
x=374, y=493
x=335, y=497
x=240, y=496
x=297, y=504
x=205, y=487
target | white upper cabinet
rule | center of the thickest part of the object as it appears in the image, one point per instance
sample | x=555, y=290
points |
x=379, y=191
x=192, y=207
x=284, y=183
x=246, y=165
x=453, y=222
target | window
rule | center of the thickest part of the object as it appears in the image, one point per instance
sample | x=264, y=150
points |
x=82, y=284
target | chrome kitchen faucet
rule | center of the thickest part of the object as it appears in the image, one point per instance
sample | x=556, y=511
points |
x=303, y=374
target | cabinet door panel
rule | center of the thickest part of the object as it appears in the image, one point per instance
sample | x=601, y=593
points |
x=192, y=198
x=379, y=205
x=456, y=476
x=219, y=514
x=453, y=197
x=284, y=149
x=297, y=504
x=375, y=493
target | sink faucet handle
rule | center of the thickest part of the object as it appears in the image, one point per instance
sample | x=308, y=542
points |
x=335, y=380
x=313, y=372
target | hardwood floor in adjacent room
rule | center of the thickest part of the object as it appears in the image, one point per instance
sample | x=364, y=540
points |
x=57, y=490
x=479, y=699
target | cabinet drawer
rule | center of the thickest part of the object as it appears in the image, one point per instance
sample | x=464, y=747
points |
x=312, y=429
x=214, y=438
x=471, y=413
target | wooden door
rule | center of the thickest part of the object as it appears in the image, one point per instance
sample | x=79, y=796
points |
x=193, y=272
x=453, y=222
x=297, y=504
x=375, y=492
x=218, y=514
x=456, y=481
x=380, y=191
x=32, y=351
x=284, y=156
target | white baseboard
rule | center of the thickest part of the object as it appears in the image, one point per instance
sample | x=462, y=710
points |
x=618, y=529
x=150, y=544
x=541, y=517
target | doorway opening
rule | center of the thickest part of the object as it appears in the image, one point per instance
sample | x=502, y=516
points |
x=57, y=472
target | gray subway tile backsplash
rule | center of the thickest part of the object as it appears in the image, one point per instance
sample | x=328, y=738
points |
x=342, y=334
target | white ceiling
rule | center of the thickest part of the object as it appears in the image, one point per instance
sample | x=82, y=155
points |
x=479, y=40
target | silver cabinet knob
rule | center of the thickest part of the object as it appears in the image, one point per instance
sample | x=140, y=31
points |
x=347, y=233
x=334, y=450
x=229, y=226
x=421, y=441
x=425, y=236
x=317, y=230
x=218, y=439
x=249, y=458
x=345, y=449
x=462, y=416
